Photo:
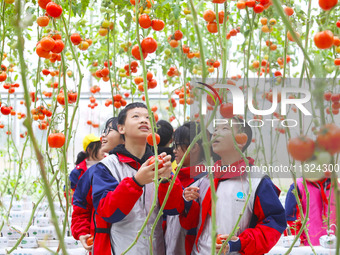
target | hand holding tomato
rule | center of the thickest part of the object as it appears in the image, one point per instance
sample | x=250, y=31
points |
x=191, y=193
x=86, y=241
x=219, y=242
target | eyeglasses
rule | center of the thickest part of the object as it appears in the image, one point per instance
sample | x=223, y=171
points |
x=176, y=145
x=106, y=131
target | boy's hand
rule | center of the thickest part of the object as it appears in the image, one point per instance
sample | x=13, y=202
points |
x=145, y=173
x=83, y=240
x=219, y=243
x=166, y=170
x=191, y=193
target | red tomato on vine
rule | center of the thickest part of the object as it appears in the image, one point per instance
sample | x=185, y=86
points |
x=150, y=140
x=56, y=140
x=301, y=148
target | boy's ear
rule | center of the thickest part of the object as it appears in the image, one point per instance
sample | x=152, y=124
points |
x=121, y=129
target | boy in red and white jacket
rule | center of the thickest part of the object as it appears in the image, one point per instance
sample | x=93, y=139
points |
x=263, y=220
x=123, y=188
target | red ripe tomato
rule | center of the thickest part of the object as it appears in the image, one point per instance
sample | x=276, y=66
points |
x=324, y=39
x=149, y=45
x=327, y=5
x=58, y=48
x=105, y=72
x=219, y=240
x=241, y=138
x=160, y=161
x=289, y=11
x=329, y=138
x=75, y=39
x=301, y=148
x=54, y=10
x=258, y=8
x=144, y=21
x=5, y=110
x=152, y=84
x=178, y=35
x=226, y=110
x=338, y=23
x=89, y=241
x=43, y=21
x=56, y=140
x=43, y=3
x=327, y=96
x=250, y=3
x=3, y=76
x=72, y=97
x=61, y=98
x=212, y=27
x=135, y=52
x=41, y=52
x=150, y=140
x=157, y=24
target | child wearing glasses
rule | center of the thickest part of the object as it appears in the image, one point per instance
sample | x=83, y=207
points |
x=177, y=239
x=82, y=225
x=263, y=220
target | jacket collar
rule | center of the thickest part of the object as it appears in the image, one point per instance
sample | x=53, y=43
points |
x=82, y=165
x=235, y=169
x=125, y=156
x=188, y=175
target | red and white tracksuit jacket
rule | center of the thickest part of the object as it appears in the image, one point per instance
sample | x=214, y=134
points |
x=261, y=225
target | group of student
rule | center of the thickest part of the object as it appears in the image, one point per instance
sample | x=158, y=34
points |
x=113, y=197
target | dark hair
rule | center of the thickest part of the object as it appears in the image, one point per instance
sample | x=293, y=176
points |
x=123, y=113
x=186, y=133
x=165, y=131
x=113, y=122
x=92, y=150
x=244, y=129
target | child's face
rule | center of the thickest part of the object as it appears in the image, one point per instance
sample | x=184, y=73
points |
x=137, y=124
x=110, y=139
x=223, y=139
x=179, y=151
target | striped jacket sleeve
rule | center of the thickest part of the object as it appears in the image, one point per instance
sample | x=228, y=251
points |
x=267, y=224
x=113, y=200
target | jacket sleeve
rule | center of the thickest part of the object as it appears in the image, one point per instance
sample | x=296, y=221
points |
x=293, y=212
x=267, y=224
x=82, y=207
x=74, y=177
x=189, y=218
x=175, y=203
x=113, y=200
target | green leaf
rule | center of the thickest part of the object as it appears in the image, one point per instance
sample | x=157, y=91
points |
x=176, y=9
x=84, y=5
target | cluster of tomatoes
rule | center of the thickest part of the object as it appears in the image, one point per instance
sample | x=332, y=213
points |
x=78, y=41
x=233, y=32
x=212, y=65
x=210, y=17
x=95, y=89
x=93, y=102
x=173, y=71
x=94, y=125
x=11, y=87
x=148, y=44
x=188, y=53
x=132, y=67
x=6, y=110
x=118, y=101
x=105, y=28
x=333, y=98
x=264, y=66
x=40, y=113
x=71, y=97
x=258, y=6
x=303, y=148
x=3, y=74
x=47, y=94
x=50, y=46
x=103, y=73
x=145, y=22
x=181, y=95
x=151, y=82
x=175, y=38
x=268, y=26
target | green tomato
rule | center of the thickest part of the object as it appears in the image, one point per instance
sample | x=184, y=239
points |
x=69, y=58
x=189, y=17
x=68, y=53
x=167, y=52
x=47, y=62
x=199, y=72
x=102, y=9
x=329, y=69
x=195, y=66
x=122, y=70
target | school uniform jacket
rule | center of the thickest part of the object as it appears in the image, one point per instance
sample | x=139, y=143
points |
x=121, y=201
x=263, y=220
x=77, y=173
x=84, y=221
